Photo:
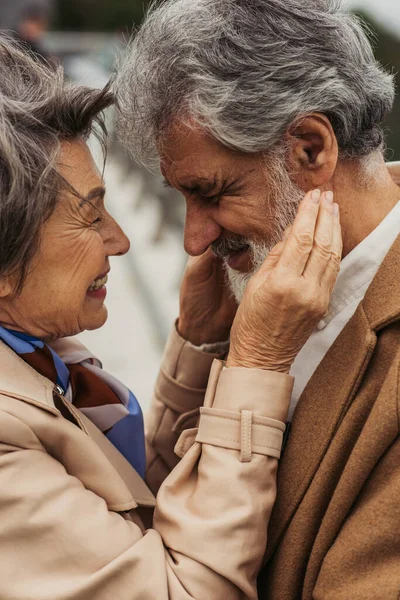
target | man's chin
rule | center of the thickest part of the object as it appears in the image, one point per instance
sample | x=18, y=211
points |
x=241, y=269
x=237, y=282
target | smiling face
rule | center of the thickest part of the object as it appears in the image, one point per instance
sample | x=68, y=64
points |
x=64, y=291
x=237, y=203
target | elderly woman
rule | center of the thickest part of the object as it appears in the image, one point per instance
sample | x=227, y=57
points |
x=76, y=514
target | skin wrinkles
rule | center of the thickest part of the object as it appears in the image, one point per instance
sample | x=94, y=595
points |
x=76, y=244
x=237, y=211
x=241, y=205
x=210, y=188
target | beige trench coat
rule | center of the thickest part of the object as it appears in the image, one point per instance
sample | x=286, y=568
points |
x=72, y=509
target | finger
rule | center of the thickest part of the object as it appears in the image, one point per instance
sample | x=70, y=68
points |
x=321, y=252
x=300, y=241
x=200, y=268
x=274, y=255
x=286, y=234
x=332, y=270
x=272, y=259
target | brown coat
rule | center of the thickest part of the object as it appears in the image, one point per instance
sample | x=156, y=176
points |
x=72, y=509
x=335, y=528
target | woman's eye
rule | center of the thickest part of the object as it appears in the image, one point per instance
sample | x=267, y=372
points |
x=98, y=220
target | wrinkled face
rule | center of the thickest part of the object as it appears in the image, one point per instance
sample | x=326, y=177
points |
x=238, y=203
x=64, y=291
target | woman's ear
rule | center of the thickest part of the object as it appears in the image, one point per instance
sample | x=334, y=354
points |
x=314, y=151
x=6, y=287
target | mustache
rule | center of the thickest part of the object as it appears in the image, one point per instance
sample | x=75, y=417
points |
x=225, y=246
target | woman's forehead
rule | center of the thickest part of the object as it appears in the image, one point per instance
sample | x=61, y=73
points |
x=77, y=166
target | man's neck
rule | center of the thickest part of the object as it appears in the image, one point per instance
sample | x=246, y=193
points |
x=363, y=205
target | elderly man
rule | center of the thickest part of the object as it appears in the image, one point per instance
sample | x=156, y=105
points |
x=246, y=105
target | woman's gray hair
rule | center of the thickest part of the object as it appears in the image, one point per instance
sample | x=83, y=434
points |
x=245, y=70
x=38, y=111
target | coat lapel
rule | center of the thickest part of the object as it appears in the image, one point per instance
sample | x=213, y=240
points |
x=330, y=392
x=135, y=484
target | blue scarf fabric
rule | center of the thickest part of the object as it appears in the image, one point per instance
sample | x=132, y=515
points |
x=109, y=404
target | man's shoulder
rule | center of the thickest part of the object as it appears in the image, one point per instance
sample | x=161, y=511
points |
x=381, y=304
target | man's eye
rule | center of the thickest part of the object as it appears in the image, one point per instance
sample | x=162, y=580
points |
x=98, y=220
x=212, y=199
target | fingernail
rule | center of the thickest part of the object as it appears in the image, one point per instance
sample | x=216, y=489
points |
x=336, y=210
x=315, y=196
x=329, y=198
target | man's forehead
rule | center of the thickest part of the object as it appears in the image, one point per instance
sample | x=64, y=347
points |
x=183, y=141
x=193, y=150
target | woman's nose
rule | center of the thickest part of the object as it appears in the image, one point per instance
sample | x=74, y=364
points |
x=116, y=242
x=200, y=231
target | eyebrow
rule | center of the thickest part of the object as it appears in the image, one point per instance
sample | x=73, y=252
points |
x=98, y=192
x=202, y=185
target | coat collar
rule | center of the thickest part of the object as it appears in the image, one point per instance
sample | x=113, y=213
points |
x=20, y=380
x=382, y=300
x=331, y=391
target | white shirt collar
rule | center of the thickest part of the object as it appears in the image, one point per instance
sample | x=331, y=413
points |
x=360, y=266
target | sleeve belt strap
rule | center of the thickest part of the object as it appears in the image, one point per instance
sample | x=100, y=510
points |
x=244, y=431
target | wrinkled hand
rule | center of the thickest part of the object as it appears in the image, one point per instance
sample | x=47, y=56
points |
x=287, y=297
x=207, y=308
x=394, y=170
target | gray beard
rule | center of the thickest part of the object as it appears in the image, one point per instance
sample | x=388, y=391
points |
x=238, y=281
x=287, y=198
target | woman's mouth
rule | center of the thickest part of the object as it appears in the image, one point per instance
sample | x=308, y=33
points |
x=97, y=289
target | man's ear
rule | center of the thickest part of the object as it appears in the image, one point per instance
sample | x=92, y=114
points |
x=314, y=151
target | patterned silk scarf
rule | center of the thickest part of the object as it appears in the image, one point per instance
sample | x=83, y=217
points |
x=101, y=397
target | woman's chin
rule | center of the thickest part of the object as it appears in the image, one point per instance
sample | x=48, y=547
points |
x=96, y=320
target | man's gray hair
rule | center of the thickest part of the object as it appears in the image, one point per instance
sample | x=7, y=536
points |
x=38, y=111
x=245, y=70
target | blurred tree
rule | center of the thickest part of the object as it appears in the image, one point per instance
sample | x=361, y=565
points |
x=99, y=15
x=387, y=51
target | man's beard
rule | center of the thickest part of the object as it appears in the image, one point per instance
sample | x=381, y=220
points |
x=284, y=199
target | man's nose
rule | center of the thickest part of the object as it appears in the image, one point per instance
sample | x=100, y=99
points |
x=200, y=231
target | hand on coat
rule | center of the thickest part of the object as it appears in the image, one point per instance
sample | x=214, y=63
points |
x=207, y=308
x=287, y=297
x=394, y=170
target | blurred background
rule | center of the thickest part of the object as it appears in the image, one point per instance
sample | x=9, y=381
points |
x=86, y=36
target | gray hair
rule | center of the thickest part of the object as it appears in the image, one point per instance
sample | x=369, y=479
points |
x=38, y=111
x=245, y=70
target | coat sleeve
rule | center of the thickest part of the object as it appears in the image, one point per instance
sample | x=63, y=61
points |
x=179, y=392
x=364, y=561
x=59, y=541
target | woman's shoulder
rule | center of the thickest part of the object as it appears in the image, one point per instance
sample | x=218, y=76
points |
x=26, y=398
x=16, y=431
